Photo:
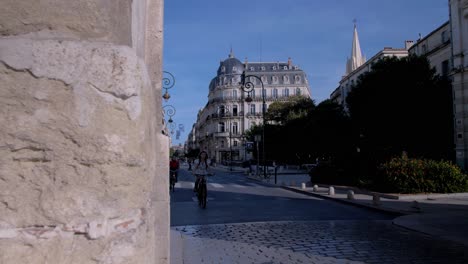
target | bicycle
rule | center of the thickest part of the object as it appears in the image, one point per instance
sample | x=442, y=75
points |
x=202, y=192
x=172, y=180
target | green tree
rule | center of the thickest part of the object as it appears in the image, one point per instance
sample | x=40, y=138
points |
x=402, y=105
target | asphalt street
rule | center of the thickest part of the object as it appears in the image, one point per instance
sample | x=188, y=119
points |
x=250, y=222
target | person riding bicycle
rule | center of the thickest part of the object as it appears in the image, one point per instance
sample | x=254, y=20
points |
x=201, y=169
x=174, y=166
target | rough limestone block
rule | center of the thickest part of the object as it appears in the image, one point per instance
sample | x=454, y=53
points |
x=100, y=20
x=78, y=155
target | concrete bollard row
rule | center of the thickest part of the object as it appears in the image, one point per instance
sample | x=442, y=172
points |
x=350, y=195
x=303, y=185
x=331, y=190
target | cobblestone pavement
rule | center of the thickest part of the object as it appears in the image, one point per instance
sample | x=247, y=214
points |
x=315, y=242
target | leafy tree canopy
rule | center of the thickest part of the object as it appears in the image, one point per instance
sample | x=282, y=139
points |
x=402, y=105
x=296, y=107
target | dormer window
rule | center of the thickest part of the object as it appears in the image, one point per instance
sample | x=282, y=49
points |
x=252, y=68
x=234, y=69
x=297, y=79
x=223, y=69
x=274, y=79
x=263, y=68
x=274, y=68
x=296, y=67
x=285, y=79
x=264, y=79
x=285, y=67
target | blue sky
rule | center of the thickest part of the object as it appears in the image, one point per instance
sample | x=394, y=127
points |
x=316, y=34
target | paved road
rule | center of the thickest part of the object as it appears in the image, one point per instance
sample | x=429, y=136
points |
x=234, y=199
x=247, y=222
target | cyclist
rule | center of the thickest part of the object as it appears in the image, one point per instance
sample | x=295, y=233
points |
x=174, y=166
x=201, y=169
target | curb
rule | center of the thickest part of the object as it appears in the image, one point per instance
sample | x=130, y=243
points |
x=374, y=208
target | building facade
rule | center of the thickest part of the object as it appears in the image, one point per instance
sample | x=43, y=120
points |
x=458, y=10
x=221, y=125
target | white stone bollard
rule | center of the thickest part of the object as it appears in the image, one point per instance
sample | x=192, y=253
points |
x=350, y=195
x=303, y=185
x=331, y=190
x=315, y=188
x=376, y=199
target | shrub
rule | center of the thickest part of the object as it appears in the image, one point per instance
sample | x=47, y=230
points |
x=405, y=175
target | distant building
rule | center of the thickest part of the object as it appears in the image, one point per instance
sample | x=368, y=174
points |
x=357, y=65
x=221, y=124
x=436, y=47
x=459, y=64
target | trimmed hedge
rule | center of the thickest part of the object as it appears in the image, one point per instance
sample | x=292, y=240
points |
x=405, y=175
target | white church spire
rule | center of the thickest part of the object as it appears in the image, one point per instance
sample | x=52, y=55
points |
x=357, y=59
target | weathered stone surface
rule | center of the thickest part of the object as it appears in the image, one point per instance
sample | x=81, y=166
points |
x=79, y=155
x=103, y=20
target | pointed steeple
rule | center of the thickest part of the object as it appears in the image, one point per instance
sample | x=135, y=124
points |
x=357, y=59
x=231, y=54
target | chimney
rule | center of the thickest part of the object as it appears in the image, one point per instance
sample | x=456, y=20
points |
x=408, y=44
x=289, y=62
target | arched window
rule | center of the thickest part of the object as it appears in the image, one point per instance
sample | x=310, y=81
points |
x=274, y=79
x=297, y=79
x=285, y=79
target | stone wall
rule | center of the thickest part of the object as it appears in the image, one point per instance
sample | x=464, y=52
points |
x=83, y=164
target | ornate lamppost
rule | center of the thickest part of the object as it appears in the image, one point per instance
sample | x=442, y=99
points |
x=170, y=111
x=248, y=86
x=168, y=82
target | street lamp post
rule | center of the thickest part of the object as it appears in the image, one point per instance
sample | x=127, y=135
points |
x=248, y=86
x=226, y=113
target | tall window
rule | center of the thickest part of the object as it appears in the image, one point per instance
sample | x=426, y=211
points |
x=221, y=127
x=445, y=67
x=275, y=93
x=252, y=93
x=235, y=143
x=286, y=92
x=264, y=93
x=234, y=94
x=222, y=110
x=252, y=109
x=222, y=143
x=234, y=110
x=235, y=128
x=298, y=91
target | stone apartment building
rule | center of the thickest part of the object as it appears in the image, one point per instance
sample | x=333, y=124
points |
x=221, y=124
x=83, y=162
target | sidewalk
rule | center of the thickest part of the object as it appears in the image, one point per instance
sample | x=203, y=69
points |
x=441, y=215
